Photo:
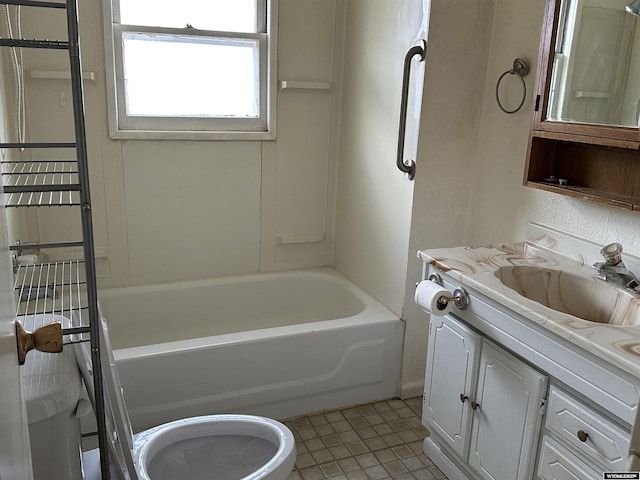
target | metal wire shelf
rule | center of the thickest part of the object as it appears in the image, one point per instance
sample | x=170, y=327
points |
x=54, y=289
x=57, y=288
x=34, y=43
x=40, y=183
x=34, y=3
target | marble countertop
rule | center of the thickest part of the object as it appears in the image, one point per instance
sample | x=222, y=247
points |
x=478, y=268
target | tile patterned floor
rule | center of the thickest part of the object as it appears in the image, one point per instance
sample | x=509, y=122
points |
x=376, y=441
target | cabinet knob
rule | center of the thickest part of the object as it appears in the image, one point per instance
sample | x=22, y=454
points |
x=474, y=405
x=582, y=435
x=463, y=398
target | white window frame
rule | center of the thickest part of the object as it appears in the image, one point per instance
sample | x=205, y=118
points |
x=122, y=126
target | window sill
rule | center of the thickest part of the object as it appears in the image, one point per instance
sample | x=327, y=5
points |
x=190, y=135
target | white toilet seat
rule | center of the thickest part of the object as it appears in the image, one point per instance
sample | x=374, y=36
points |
x=217, y=447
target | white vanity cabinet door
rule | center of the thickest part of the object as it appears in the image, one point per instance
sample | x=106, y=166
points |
x=507, y=421
x=452, y=358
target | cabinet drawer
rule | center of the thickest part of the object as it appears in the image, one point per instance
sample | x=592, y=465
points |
x=599, y=439
x=557, y=463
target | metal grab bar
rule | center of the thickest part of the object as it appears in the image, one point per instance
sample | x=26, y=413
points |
x=407, y=166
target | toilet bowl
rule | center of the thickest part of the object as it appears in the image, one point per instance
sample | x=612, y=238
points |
x=212, y=447
x=217, y=447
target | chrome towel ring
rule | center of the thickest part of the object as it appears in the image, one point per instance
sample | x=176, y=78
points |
x=521, y=69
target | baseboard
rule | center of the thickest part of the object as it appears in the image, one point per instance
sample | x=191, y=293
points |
x=410, y=390
x=442, y=461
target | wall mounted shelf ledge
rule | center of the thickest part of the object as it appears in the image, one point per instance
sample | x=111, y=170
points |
x=623, y=201
x=299, y=238
x=296, y=85
x=59, y=75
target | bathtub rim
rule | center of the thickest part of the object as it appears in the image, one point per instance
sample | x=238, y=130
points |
x=373, y=312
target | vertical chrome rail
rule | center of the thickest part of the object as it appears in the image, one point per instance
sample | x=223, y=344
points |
x=407, y=166
x=75, y=65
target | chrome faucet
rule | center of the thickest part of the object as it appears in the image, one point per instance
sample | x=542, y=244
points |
x=613, y=269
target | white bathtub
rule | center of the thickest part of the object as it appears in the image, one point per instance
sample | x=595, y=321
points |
x=268, y=344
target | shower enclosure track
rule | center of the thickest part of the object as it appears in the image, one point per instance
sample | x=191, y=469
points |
x=66, y=288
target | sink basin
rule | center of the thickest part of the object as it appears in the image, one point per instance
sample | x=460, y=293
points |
x=581, y=296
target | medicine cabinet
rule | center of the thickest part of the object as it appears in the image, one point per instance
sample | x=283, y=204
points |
x=585, y=137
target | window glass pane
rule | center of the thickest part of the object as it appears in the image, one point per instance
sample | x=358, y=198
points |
x=185, y=76
x=219, y=15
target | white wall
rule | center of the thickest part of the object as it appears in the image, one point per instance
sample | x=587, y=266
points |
x=492, y=151
x=501, y=206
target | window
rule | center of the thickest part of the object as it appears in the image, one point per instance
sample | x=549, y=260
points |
x=200, y=69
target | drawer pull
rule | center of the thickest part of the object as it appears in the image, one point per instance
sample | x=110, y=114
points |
x=463, y=398
x=474, y=405
x=582, y=435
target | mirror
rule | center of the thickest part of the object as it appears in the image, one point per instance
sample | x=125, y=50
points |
x=596, y=68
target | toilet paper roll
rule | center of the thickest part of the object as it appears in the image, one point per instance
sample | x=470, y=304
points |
x=427, y=295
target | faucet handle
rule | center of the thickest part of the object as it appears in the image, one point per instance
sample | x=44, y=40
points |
x=612, y=253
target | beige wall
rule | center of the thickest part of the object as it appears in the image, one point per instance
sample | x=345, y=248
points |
x=501, y=207
x=459, y=43
x=488, y=154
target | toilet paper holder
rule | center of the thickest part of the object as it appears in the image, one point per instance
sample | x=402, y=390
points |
x=460, y=296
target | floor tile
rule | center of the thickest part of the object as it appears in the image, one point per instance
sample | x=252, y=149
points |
x=378, y=441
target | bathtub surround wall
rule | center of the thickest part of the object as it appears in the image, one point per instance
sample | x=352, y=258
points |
x=178, y=210
x=374, y=198
x=299, y=168
x=172, y=187
x=168, y=211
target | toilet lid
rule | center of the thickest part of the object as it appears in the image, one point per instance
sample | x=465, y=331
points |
x=120, y=441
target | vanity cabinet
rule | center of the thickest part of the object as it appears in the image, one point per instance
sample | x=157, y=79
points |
x=483, y=403
x=584, y=139
x=507, y=399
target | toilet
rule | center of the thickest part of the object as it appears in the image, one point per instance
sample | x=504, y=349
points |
x=218, y=447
